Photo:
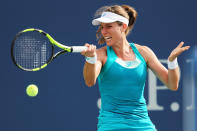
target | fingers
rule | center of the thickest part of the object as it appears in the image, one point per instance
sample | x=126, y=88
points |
x=180, y=47
x=90, y=51
x=178, y=50
x=180, y=44
x=186, y=48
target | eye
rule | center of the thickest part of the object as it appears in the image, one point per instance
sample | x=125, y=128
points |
x=105, y=27
x=108, y=26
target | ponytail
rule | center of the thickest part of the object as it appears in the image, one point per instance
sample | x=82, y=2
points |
x=132, y=13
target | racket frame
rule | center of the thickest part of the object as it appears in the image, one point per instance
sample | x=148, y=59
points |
x=52, y=41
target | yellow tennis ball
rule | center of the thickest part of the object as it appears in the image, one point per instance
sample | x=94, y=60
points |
x=32, y=90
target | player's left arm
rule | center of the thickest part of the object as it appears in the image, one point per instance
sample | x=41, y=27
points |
x=170, y=77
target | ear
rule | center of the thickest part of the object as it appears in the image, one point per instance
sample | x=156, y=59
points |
x=124, y=27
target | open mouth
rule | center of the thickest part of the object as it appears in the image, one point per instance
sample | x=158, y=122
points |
x=107, y=38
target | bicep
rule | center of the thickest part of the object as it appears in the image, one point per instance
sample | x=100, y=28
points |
x=156, y=66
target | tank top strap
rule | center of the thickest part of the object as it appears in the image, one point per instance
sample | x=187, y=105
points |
x=137, y=53
x=111, y=57
x=111, y=54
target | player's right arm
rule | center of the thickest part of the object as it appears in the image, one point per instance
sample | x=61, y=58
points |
x=91, y=71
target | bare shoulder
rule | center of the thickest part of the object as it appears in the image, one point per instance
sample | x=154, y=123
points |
x=102, y=54
x=143, y=48
x=145, y=51
x=147, y=54
x=102, y=51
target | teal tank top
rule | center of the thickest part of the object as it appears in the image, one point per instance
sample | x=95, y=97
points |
x=121, y=86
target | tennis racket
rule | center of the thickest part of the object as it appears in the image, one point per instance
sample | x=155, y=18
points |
x=33, y=49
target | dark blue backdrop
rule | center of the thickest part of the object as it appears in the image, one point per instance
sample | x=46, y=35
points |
x=64, y=102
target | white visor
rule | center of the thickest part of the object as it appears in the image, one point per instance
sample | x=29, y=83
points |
x=109, y=17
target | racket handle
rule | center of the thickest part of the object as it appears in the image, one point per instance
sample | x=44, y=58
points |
x=78, y=49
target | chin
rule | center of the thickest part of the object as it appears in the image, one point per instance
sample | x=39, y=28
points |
x=109, y=43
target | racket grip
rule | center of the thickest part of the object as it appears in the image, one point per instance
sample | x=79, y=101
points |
x=78, y=49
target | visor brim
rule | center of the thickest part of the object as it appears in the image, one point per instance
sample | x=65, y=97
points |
x=100, y=20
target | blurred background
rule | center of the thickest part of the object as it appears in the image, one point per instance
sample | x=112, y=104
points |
x=64, y=101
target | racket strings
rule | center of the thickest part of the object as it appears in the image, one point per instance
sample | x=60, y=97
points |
x=32, y=50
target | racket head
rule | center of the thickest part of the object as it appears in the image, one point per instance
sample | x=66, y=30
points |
x=31, y=50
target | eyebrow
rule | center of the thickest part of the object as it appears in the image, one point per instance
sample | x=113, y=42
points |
x=106, y=24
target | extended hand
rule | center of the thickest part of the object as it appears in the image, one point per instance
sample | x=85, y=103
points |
x=177, y=51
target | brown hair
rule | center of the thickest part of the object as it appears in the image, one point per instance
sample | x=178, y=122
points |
x=124, y=10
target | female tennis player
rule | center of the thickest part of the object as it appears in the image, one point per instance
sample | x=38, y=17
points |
x=121, y=70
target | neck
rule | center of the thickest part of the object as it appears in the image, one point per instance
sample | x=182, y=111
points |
x=122, y=47
x=124, y=51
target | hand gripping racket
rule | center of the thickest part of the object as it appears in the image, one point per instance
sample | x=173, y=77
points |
x=33, y=49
